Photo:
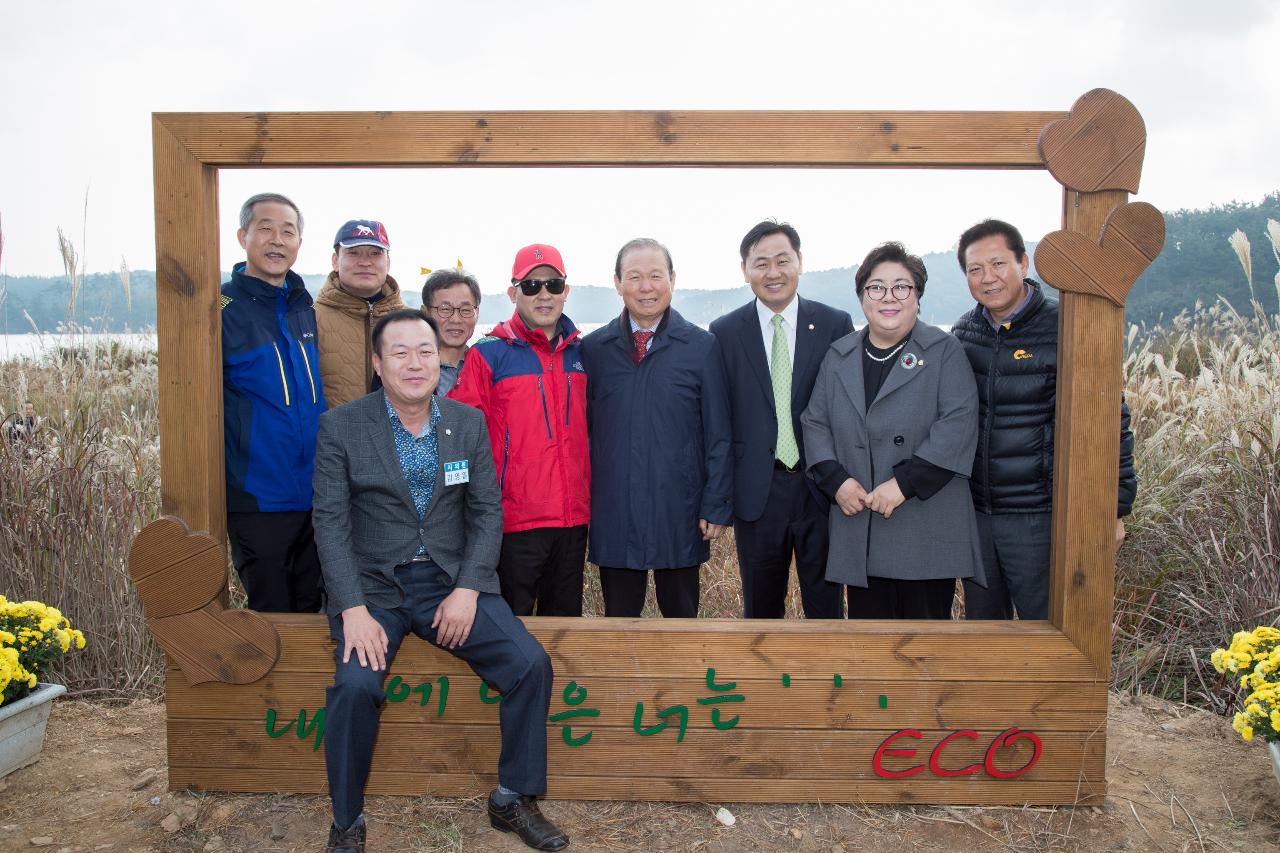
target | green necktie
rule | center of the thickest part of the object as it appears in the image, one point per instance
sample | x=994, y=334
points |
x=780, y=372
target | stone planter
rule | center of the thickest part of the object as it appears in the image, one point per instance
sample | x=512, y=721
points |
x=1274, y=748
x=22, y=724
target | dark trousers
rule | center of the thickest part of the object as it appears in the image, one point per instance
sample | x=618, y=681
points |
x=889, y=598
x=275, y=555
x=541, y=570
x=624, y=590
x=793, y=522
x=498, y=649
x=1015, y=556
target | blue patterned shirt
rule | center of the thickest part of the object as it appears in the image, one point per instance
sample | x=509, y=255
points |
x=419, y=458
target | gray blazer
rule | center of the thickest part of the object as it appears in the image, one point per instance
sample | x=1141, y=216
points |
x=930, y=410
x=365, y=520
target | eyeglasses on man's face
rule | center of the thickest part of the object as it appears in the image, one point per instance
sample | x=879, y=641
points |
x=444, y=312
x=531, y=286
x=901, y=291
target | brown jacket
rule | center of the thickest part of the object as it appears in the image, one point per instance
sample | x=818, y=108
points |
x=345, y=326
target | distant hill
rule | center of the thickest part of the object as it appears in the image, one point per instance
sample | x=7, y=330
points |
x=1197, y=265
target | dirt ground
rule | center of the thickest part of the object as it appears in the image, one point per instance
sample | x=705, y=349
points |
x=1180, y=780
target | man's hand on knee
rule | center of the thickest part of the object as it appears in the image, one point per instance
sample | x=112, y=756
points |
x=364, y=635
x=454, y=617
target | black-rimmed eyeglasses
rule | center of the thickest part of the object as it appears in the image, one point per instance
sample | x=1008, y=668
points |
x=444, y=312
x=900, y=291
x=531, y=286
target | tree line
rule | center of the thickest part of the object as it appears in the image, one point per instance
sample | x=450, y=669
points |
x=1197, y=266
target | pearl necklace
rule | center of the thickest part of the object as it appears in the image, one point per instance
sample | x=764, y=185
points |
x=884, y=358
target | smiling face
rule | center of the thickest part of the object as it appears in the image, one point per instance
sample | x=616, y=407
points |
x=890, y=319
x=362, y=270
x=542, y=310
x=408, y=360
x=773, y=268
x=645, y=283
x=995, y=275
x=455, y=330
x=271, y=241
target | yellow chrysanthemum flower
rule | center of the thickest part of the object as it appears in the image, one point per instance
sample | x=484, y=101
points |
x=1218, y=659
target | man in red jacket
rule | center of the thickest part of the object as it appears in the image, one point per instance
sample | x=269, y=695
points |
x=526, y=376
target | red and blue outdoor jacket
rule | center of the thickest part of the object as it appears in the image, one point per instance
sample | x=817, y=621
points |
x=272, y=396
x=534, y=400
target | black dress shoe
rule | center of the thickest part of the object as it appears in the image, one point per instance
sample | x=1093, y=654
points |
x=349, y=840
x=524, y=819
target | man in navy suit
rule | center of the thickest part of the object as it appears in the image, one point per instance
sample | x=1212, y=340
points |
x=772, y=348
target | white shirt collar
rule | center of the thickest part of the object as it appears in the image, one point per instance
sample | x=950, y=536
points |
x=790, y=314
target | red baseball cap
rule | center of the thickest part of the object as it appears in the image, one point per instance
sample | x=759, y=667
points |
x=537, y=255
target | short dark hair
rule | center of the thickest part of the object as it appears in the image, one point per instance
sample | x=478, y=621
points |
x=763, y=229
x=246, y=209
x=641, y=243
x=400, y=316
x=989, y=228
x=446, y=278
x=894, y=253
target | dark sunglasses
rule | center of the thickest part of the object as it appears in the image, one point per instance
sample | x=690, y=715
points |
x=531, y=286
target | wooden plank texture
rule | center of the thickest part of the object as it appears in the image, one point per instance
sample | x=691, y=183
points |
x=807, y=728
x=685, y=648
x=1131, y=239
x=1086, y=451
x=703, y=753
x=175, y=571
x=967, y=790
x=1100, y=145
x=192, y=477
x=808, y=703
x=887, y=139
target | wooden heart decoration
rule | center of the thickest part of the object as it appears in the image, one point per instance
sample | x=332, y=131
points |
x=217, y=644
x=1132, y=237
x=174, y=571
x=179, y=575
x=1098, y=146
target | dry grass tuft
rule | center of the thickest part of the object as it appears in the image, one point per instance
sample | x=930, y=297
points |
x=72, y=499
x=1203, y=557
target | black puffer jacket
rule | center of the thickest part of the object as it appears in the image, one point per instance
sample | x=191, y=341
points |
x=1016, y=366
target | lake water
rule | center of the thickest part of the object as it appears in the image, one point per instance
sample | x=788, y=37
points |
x=33, y=346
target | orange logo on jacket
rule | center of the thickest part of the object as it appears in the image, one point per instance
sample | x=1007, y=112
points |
x=1020, y=354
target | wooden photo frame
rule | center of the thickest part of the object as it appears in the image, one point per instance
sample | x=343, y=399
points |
x=702, y=710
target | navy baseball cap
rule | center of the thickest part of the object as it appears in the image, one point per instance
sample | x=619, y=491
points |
x=362, y=232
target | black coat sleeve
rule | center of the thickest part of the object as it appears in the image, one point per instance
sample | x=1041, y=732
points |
x=1128, y=475
x=918, y=478
x=828, y=475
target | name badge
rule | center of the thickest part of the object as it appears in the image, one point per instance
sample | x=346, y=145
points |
x=456, y=473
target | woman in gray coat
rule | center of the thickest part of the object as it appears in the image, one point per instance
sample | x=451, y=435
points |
x=889, y=434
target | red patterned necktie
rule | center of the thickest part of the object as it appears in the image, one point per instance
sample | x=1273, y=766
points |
x=641, y=341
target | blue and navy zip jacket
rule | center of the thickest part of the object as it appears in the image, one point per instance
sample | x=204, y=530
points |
x=272, y=396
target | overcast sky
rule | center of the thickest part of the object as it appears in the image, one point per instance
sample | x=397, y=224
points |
x=80, y=79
